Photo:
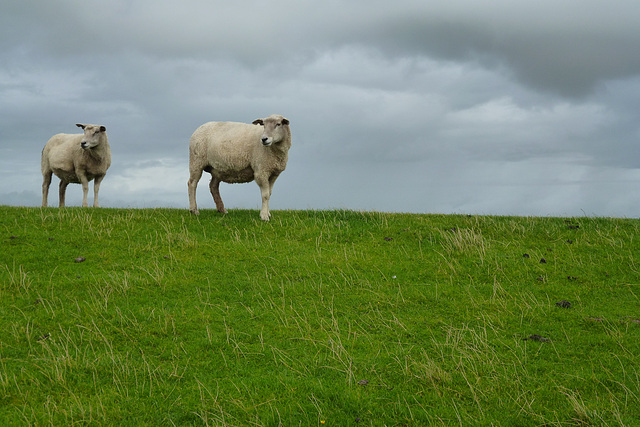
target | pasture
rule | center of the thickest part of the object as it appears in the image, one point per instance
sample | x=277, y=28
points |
x=332, y=318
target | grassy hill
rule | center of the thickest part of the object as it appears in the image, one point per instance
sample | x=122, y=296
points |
x=158, y=317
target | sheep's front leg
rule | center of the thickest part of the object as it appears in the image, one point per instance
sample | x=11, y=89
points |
x=85, y=190
x=61, y=192
x=96, y=188
x=214, y=187
x=265, y=193
x=272, y=180
x=46, y=182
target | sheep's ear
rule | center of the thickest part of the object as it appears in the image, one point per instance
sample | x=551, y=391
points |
x=258, y=122
x=103, y=129
x=285, y=121
x=80, y=125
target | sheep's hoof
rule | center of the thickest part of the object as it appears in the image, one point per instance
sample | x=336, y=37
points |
x=265, y=217
x=194, y=211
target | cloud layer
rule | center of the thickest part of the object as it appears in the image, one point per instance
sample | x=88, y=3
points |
x=509, y=108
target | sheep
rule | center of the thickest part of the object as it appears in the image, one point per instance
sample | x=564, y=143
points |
x=239, y=152
x=78, y=159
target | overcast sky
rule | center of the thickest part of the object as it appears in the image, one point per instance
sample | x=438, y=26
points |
x=504, y=107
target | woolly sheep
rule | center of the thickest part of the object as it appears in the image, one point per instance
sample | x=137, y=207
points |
x=77, y=158
x=239, y=152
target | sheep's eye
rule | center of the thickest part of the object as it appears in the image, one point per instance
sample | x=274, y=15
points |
x=278, y=124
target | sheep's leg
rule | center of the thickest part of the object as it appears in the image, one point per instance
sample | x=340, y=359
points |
x=192, y=184
x=266, y=188
x=214, y=187
x=272, y=180
x=85, y=190
x=46, y=182
x=61, y=192
x=265, y=193
x=96, y=188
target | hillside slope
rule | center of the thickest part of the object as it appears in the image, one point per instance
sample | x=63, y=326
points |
x=159, y=317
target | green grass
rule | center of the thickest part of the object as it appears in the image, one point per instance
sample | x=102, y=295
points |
x=316, y=318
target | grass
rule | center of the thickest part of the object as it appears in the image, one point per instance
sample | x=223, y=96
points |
x=316, y=318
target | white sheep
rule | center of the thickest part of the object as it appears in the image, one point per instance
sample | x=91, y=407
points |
x=239, y=152
x=77, y=158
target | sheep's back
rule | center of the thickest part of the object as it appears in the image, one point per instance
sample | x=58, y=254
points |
x=226, y=145
x=59, y=148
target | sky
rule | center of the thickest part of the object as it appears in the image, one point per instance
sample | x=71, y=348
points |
x=508, y=107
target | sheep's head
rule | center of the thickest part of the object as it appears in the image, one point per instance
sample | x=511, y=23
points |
x=275, y=129
x=92, y=135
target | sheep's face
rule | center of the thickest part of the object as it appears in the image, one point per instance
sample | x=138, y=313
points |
x=92, y=135
x=274, y=129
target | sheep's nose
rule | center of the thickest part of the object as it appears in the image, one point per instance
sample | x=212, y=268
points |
x=264, y=140
x=83, y=144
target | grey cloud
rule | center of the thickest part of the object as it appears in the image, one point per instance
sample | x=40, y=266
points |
x=566, y=48
x=459, y=107
x=562, y=47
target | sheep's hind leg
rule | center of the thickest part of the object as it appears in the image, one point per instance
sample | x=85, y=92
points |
x=46, y=182
x=192, y=185
x=61, y=192
x=214, y=187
